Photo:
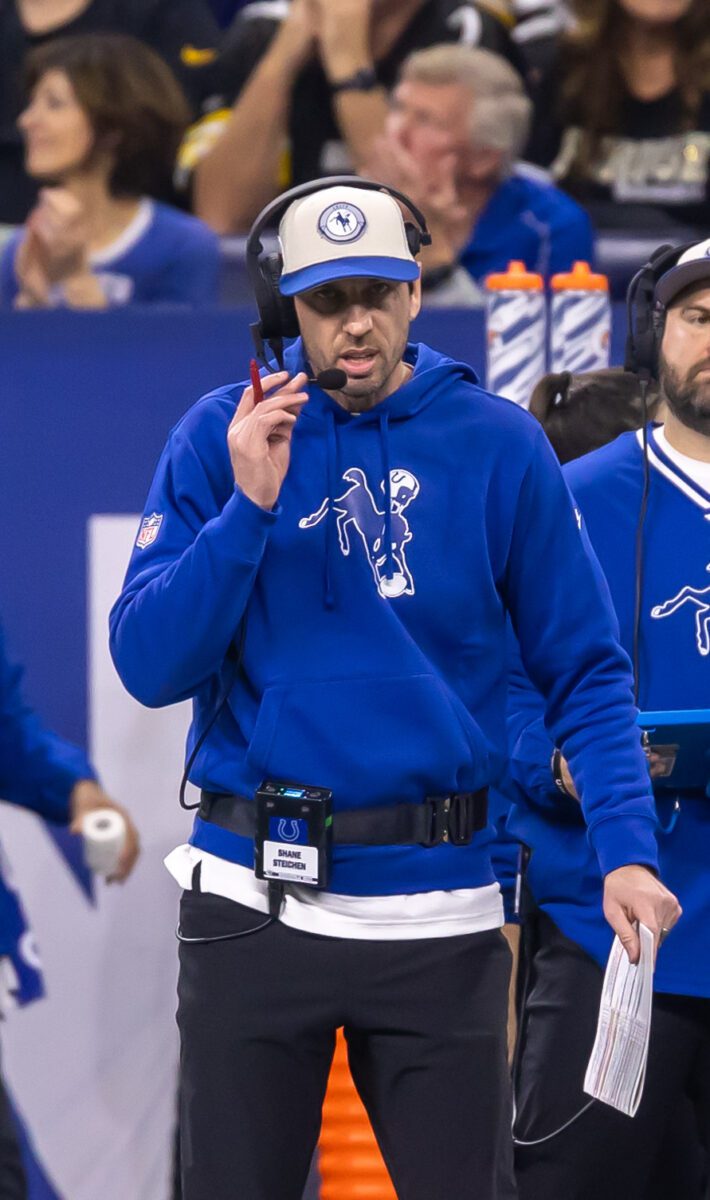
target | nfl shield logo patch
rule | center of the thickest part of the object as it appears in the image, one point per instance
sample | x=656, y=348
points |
x=149, y=530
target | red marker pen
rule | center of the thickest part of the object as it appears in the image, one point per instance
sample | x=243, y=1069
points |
x=256, y=382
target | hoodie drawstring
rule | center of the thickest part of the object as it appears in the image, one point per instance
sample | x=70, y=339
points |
x=384, y=441
x=330, y=530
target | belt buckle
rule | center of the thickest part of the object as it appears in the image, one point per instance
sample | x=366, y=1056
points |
x=460, y=818
x=438, y=822
x=453, y=819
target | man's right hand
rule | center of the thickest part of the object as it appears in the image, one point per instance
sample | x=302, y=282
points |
x=632, y=893
x=259, y=436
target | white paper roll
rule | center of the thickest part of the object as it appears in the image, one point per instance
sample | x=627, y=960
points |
x=104, y=833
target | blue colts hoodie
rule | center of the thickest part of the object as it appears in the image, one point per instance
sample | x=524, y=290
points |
x=375, y=599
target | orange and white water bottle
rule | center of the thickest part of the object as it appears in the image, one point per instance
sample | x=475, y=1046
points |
x=516, y=328
x=580, y=320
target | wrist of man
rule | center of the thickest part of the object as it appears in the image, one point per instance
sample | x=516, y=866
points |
x=85, y=795
x=561, y=775
x=341, y=69
x=642, y=866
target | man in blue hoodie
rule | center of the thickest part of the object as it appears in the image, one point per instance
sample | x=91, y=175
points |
x=663, y=610
x=328, y=577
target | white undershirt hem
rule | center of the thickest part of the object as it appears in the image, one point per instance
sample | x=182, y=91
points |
x=369, y=918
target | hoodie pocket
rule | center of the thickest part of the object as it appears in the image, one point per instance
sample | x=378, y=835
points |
x=370, y=740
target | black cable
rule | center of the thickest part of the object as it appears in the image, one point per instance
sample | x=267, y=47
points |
x=219, y=707
x=276, y=889
x=555, y=1132
x=276, y=897
x=222, y=937
x=638, y=596
x=528, y=949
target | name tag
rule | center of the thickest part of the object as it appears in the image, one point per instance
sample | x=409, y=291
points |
x=294, y=833
x=291, y=864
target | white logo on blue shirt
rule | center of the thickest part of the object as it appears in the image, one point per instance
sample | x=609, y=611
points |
x=697, y=598
x=357, y=509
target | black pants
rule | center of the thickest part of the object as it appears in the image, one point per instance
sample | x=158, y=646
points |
x=13, y=1183
x=425, y=1023
x=660, y=1153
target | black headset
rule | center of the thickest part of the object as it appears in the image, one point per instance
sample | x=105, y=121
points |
x=277, y=313
x=645, y=319
x=644, y=316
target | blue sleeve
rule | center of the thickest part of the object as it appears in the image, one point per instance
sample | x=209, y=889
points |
x=562, y=617
x=571, y=238
x=530, y=745
x=38, y=769
x=186, y=591
x=8, y=281
x=194, y=273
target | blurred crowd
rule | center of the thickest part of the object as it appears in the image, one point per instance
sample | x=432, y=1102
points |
x=134, y=135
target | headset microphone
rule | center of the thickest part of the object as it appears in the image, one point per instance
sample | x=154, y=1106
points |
x=332, y=380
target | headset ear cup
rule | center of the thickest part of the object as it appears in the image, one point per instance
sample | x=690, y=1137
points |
x=277, y=313
x=646, y=319
x=642, y=332
x=263, y=292
x=283, y=308
x=645, y=326
x=414, y=238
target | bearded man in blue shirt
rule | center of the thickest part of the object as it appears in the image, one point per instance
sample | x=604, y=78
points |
x=645, y=503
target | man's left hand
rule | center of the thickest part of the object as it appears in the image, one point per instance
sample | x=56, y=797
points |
x=87, y=796
x=632, y=894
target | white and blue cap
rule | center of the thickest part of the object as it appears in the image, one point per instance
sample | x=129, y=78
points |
x=343, y=233
x=693, y=266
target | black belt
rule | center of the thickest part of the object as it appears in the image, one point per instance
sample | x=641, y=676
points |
x=453, y=818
